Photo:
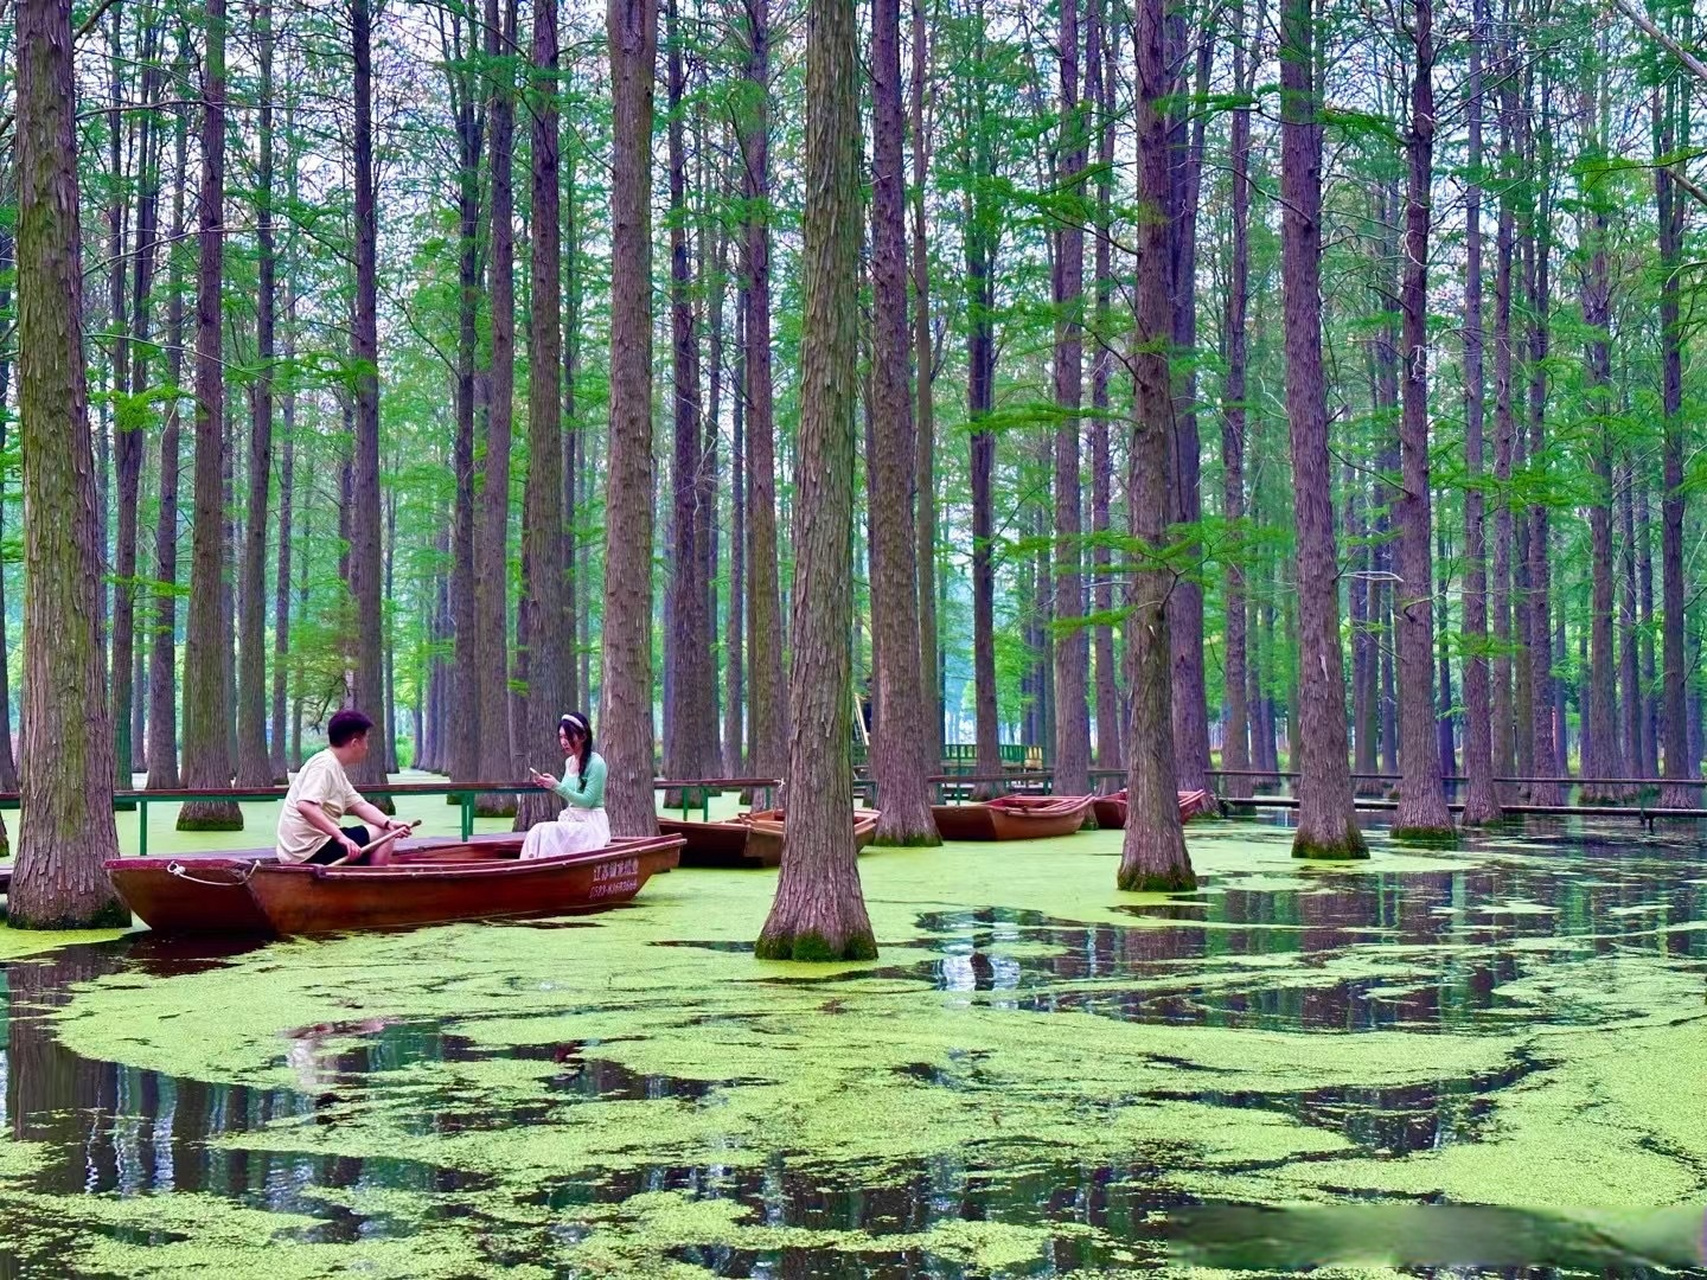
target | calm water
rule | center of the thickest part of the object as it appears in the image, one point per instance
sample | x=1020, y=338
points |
x=410, y=1113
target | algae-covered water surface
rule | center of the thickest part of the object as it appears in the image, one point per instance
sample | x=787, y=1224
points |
x=1039, y=1076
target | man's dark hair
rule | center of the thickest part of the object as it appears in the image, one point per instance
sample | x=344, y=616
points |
x=347, y=726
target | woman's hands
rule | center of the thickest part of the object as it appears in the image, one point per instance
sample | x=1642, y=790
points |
x=544, y=781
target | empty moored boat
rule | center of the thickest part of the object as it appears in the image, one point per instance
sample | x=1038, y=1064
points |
x=1111, y=810
x=747, y=839
x=1012, y=818
x=435, y=882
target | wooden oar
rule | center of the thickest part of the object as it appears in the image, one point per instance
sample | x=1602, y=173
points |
x=371, y=845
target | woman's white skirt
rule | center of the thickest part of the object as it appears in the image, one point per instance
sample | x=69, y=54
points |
x=574, y=831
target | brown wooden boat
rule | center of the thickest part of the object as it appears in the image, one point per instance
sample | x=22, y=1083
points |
x=1012, y=818
x=747, y=839
x=764, y=845
x=434, y=882
x=1111, y=810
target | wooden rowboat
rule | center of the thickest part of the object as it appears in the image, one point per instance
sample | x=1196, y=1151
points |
x=764, y=845
x=747, y=839
x=1012, y=818
x=436, y=882
x=1111, y=810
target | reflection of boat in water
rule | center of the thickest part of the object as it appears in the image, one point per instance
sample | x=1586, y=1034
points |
x=435, y=882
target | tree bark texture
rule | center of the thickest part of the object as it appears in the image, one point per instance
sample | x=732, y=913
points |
x=1481, y=801
x=466, y=698
x=626, y=692
x=546, y=590
x=902, y=756
x=1153, y=854
x=819, y=912
x=767, y=723
x=924, y=369
x=66, y=830
x=1422, y=812
x=1235, y=740
x=492, y=536
x=1327, y=827
x=207, y=748
x=162, y=653
x=254, y=766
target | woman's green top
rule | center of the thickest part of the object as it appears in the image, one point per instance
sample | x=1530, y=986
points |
x=587, y=792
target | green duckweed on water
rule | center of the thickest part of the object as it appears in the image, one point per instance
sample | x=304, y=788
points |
x=1033, y=1075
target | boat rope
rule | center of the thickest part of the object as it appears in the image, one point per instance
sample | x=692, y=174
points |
x=182, y=872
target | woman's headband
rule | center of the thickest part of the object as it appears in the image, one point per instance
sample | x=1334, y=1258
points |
x=574, y=721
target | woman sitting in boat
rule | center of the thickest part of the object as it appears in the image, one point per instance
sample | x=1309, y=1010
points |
x=582, y=825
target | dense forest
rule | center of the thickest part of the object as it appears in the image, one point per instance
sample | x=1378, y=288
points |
x=1278, y=385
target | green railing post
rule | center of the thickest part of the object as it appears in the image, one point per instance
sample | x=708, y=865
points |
x=467, y=805
x=141, y=827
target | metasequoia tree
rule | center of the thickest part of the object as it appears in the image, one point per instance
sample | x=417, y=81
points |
x=1072, y=646
x=491, y=540
x=67, y=830
x=1481, y=804
x=1327, y=827
x=767, y=723
x=1153, y=854
x=1422, y=812
x=207, y=746
x=545, y=591
x=254, y=765
x=626, y=693
x=819, y=912
x=902, y=757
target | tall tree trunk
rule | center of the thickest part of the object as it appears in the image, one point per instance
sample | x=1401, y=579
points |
x=734, y=684
x=468, y=712
x=207, y=749
x=1072, y=643
x=690, y=711
x=1422, y=811
x=924, y=372
x=1648, y=708
x=1235, y=740
x=548, y=653
x=368, y=687
x=281, y=587
x=626, y=693
x=1679, y=763
x=1327, y=827
x=819, y=912
x=254, y=767
x=126, y=438
x=980, y=237
x=1481, y=801
x=1185, y=601
x=66, y=830
x=902, y=755
x=1549, y=757
x=1153, y=855
x=1505, y=731
x=569, y=145
x=162, y=654
x=8, y=762
x=491, y=549
x=1630, y=708
x=768, y=719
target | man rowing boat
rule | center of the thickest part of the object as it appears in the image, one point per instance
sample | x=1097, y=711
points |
x=321, y=794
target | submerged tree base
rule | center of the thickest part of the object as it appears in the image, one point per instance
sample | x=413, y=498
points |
x=1350, y=849
x=218, y=815
x=811, y=947
x=1433, y=837
x=923, y=840
x=110, y=914
x=1176, y=880
x=486, y=806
